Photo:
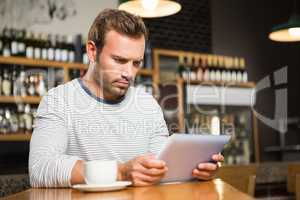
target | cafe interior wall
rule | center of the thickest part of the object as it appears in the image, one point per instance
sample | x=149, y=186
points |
x=241, y=28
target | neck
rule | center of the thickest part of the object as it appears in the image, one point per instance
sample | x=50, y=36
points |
x=96, y=88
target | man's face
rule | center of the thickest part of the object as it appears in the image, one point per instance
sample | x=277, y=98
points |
x=118, y=63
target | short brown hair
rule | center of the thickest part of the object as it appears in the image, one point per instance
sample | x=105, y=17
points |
x=118, y=20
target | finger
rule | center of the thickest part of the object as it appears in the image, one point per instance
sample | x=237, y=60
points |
x=218, y=158
x=207, y=167
x=152, y=163
x=146, y=178
x=154, y=171
x=141, y=183
x=203, y=175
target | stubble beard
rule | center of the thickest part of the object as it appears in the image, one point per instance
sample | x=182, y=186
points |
x=106, y=86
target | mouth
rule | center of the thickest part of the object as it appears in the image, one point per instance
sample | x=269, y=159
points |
x=122, y=83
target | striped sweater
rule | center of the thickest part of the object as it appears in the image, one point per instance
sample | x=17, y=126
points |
x=72, y=124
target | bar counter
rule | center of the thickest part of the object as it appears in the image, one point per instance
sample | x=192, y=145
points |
x=210, y=190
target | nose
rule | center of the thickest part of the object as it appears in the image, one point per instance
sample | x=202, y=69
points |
x=127, y=73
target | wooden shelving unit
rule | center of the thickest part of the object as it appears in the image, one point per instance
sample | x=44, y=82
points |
x=20, y=99
x=220, y=84
x=157, y=53
x=27, y=62
x=15, y=137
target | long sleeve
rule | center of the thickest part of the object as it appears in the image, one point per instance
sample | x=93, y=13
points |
x=49, y=165
x=160, y=135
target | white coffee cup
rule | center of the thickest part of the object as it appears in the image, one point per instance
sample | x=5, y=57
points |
x=100, y=172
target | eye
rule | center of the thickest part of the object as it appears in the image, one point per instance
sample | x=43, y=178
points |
x=120, y=60
x=137, y=63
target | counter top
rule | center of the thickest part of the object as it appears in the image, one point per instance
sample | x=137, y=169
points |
x=212, y=190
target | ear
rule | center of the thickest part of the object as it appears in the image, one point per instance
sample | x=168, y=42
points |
x=91, y=50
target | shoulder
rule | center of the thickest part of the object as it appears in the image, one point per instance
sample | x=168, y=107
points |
x=144, y=101
x=57, y=97
x=141, y=96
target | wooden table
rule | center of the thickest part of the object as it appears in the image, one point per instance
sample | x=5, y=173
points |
x=210, y=190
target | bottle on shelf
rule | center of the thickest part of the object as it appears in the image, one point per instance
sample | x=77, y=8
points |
x=1, y=79
x=85, y=59
x=200, y=69
x=14, y=85
x=44, y=47
x=1, y=43
x=29, y=42
x=13, y=42
x=14, y=123
x=5, y=125
x=22, y=82
x=38, y=46
x=28, y=119
x=41, y=86
x=51, y=47
x=31, y=85
x=180, y=67
x=21, y=120
x=6, y=52
x=148, y=55
x=70, y=48
x=244, y=72
x=6, y=83
x=64, y=48
x=21, y=42
x=57, y=52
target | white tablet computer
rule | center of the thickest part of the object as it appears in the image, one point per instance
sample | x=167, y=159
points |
x=183, y=152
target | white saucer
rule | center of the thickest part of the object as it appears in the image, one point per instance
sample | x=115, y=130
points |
x=102, y=187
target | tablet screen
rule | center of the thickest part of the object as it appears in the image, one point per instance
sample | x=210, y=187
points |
x=183, y=152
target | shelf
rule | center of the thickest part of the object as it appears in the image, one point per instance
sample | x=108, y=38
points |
x=15, y=137
x=282, y=149
x=218, y=83
x=39, y=63
x=145, y=72
x=19, y=99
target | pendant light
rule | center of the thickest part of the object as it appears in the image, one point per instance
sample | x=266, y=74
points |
x=287, y=32
x=151, y=8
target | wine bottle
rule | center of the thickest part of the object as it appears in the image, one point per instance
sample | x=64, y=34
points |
x=1, y=43
x=6, y=43
x=71, y=49
x=20, y=111
x=51, y=48
x=1, y=79
x=57, y=48
x=31, y=85
x=6, y=122
x=29, y=41
x=37, y=46
x=64, y=48
x=200, y=69
x=148, y=55
x=85, y=59
x=44, y=47
x=41, y=86
x=27, y=119
x=21, y=42
x=15, y=89
x=180, y=67
x=14, y=123
x=6, y=84
x=13, y=42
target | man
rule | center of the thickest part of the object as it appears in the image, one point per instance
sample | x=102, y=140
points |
x=100, y=117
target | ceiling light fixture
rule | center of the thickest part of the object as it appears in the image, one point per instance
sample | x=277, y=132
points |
x=151, y=8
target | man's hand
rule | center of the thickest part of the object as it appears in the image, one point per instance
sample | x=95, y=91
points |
x=207, y=171
x=142, y=170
